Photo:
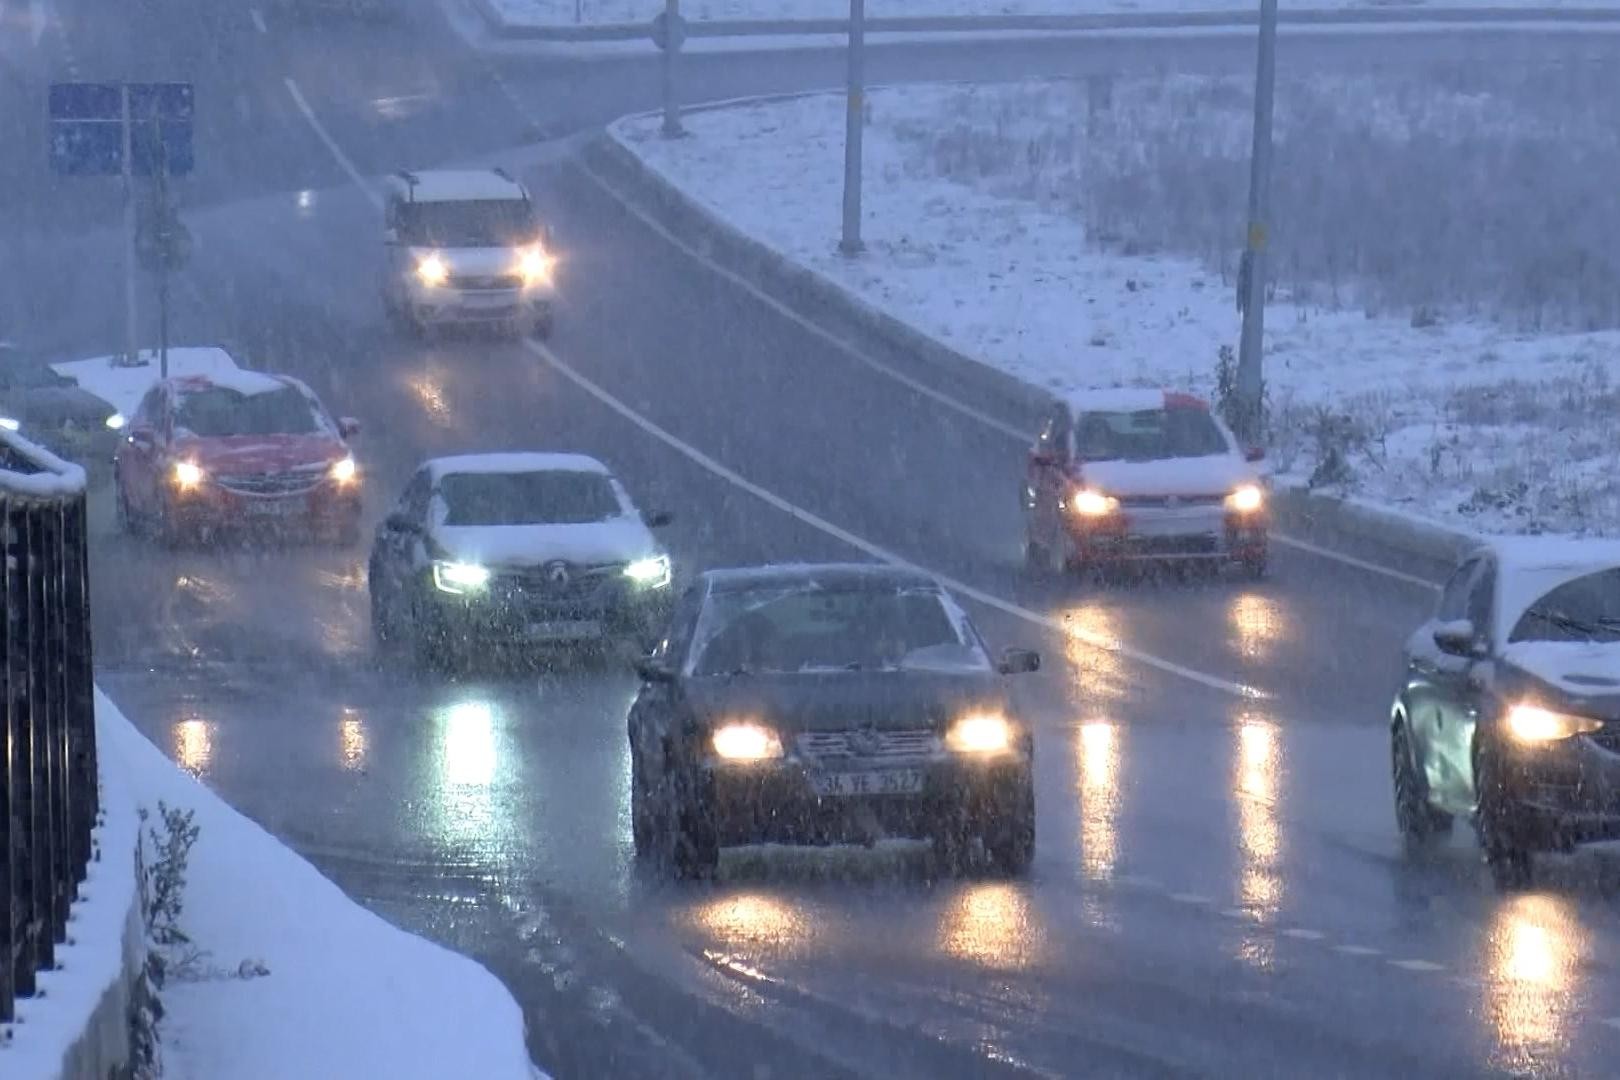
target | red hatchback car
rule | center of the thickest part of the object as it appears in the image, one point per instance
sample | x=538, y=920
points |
x=245, y=450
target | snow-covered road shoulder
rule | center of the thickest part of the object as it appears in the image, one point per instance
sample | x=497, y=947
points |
x=298, y=980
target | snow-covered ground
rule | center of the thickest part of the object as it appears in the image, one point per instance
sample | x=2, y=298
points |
x=555, y=12
x=297, y=980
x=1468, y=422
x=123, y=386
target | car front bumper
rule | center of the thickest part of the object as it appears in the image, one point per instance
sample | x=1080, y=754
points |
x=449, y=305
x=213, y=506
x=612, y=610
x=1194, y=534
x=1567, y=793
x=764, y=803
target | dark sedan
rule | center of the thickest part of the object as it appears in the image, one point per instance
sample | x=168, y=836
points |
x=53, y=410
x=828, y=704
x=1510, y=709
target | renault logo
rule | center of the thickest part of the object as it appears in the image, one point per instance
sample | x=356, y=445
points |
x=865, y=743
x=557, y=574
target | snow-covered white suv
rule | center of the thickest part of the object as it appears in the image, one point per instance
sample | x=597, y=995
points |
x=466, y=247
x=1128, y=475
x=531, y=550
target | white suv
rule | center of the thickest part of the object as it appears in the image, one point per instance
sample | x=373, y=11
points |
x=465, y=246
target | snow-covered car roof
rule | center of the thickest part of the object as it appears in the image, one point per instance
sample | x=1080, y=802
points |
x=241, y=381
x=514, y=463
x=1131, y=399
x=459, y=185
x=1529, y=567
x=787, y=574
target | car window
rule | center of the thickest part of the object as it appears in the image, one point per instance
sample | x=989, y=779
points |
x=151, y=408
x=1477, y=608
x=1454, y=597
x=219, y=411
x=475, y=223
x=1148, y=435
x=1586, y=609
x=681, y=625
x=811, y=627
x=553, y=497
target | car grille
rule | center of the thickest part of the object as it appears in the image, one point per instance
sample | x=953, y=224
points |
x=869, y=745
x=535, y=585
x=1167, y=502
x=270, y=484
x=486, y=281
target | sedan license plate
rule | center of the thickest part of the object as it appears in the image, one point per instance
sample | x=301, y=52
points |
x=487, y=301
x=275, y=508
x=564, y=629
x=885, y=782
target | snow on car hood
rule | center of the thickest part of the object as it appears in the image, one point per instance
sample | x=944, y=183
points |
x=620, y=539
x=1216, y=474
x=234, y=455
x=1580, y=668
x=478, y=261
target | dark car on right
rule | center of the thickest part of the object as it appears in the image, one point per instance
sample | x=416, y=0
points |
x=828, y=704
x=1509, y=712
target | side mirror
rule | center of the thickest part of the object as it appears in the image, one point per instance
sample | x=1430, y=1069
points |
x=349, y=427
x=1042, y=457
x=657, y=519
x=1255, y=453
x=654, y=671
x=397, y=522
x=142, y=437
x=1019, y=662
x=1457, y=638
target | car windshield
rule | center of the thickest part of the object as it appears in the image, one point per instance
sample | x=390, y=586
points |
x=812, y=628
x=20, y=375
x=219, y=411
x=485, y=223
x=1148, y=435
x=1586, y=609
x=528, y=498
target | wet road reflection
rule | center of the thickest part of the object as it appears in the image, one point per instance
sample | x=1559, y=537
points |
x=754, y=919
x=1099, y=675
x=1256, y=622
x=194, y=745
x=1536, y=945
x=352, y=747
x=994, y=926
x=1099, y=798
x=468, y=757
x=1255, y=784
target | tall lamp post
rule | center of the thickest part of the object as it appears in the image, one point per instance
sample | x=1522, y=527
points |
x=854, y=123
x=1252, y=283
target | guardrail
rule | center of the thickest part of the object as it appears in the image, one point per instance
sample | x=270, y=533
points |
x=986, y=24
x=48, y=793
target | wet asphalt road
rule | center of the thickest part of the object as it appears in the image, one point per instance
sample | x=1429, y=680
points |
x=1217, y=888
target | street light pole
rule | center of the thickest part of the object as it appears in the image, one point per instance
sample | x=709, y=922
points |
x=131, y=331
x=1250, y=380
x=672, y=34
x=854, y=125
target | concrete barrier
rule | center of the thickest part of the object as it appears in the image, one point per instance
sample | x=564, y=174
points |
x=1353, y=526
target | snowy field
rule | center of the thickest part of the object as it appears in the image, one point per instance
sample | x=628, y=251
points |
x=122, y=386
x=981, y=218
x=296, y=980
x=554, y=12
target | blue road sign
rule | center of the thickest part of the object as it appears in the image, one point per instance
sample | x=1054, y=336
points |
x=87, y=128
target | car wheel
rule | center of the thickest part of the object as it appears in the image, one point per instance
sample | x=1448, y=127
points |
x=1010, y=843
x=126, y=518
x=1254, y=566
x=1038, y=558
x=1509, y=858
x=1419, y=822
x=643, y=829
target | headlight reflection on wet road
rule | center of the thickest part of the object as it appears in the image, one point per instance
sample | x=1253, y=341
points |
x=992, y=925
x=352, y=735
x=1099, y=797
x=1535, y=948
x=754, y=919
x=467, y=762
x=1099, y=673
x=194, y=745
x=1256, y=623
x=1256, y=777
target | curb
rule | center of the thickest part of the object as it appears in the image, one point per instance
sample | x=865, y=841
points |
x=580, y=33
x=1345, y=523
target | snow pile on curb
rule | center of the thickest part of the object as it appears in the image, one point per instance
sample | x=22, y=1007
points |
x=1467, y=424
x=122, y=387
x=73, y=999
x=346, y=995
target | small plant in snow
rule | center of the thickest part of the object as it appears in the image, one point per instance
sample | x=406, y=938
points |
x=163, y=882
x=1227, y=405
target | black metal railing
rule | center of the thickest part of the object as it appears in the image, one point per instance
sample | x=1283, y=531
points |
x=48, y=792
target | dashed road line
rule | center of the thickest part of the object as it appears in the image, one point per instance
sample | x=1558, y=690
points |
x=258, y=20
x=1351, y=560
x=331, y=144
x=1357, y=950
x=1192, y=899
x=1611, y=1021
x=1417, y=966
x=1300, y=934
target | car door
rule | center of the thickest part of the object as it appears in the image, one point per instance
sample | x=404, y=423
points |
x=138, y=461
x=1426, y=687
x=657, y=705
x=1047, y=480
x=1461, y=691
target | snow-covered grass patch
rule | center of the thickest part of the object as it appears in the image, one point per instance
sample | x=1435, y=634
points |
x=1026, y=226
x=563, y=12
x=123, y=385
x=286, y=977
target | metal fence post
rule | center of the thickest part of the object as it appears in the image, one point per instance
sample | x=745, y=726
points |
x=10, y=736
x=854, y=129
x=78, y=678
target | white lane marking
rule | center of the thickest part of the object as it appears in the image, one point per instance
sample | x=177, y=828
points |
x=1360, y=564
x=805, y=324
x=258, y=21
x=1304, y=935
x=1417, y=965
x=815, y=521
x=1137, y=881
x=331, y=144
x=1019, y=435
x=36, y=21
x=1196, y=899
x=1611, y=1021
x=1235, y=913
x=1356, y=950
